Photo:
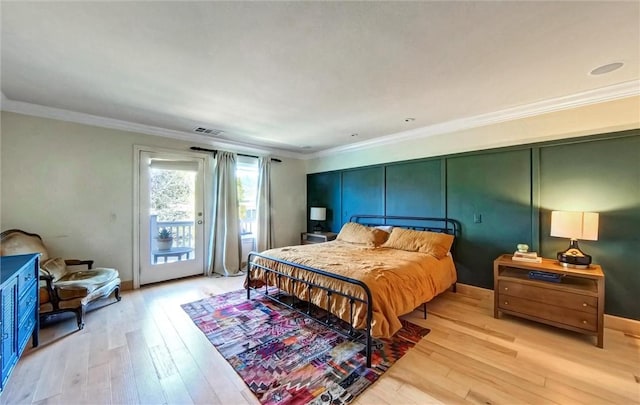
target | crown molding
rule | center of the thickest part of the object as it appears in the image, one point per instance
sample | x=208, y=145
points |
x=3, y=100
x=604, y=94
x=111, y=123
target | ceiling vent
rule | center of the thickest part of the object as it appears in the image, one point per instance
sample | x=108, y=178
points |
x=207, y=131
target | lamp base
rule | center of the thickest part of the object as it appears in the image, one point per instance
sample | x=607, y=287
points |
x=573, y=257
x=574, y=266
x=317, y=228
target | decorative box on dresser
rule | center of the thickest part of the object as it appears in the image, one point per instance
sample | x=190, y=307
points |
x=575, y=303
x=307, y=238
x=19, y=298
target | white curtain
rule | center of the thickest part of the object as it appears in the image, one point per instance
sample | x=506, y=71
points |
x=265, y=239
x=225, y=233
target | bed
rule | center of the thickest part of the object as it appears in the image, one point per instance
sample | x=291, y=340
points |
x=378, y=269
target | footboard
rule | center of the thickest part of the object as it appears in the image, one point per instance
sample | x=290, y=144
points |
x=264, y=263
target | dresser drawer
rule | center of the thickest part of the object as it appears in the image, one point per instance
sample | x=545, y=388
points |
x=25, y=330
x=26, y=276
x=27, y=302
x=19, y=315
x=578, y=302
x=577, y=319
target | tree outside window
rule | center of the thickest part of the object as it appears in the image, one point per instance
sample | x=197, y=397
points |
x=247, y=178
x=172, y=194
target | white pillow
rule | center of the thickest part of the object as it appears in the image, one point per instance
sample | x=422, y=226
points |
x=386, y=228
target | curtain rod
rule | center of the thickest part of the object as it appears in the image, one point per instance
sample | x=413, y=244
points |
x=239, y=154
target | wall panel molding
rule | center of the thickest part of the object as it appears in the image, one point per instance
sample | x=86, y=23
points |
x=513, y=194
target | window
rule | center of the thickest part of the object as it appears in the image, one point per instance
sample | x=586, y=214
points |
x=247, y=176
x=172, y=192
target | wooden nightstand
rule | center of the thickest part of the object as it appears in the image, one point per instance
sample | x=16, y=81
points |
x=307, y=238
x=576, y=303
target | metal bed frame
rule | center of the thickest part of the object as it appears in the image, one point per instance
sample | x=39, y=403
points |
x=445, y=225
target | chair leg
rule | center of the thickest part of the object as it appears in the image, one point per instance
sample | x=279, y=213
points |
x=424, y=308
x=80, y=316
x=117, y=294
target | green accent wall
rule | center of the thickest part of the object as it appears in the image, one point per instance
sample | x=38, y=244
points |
x=415, y=189
x=503, y=197
x=362, y=192
x=325, y=190
x=600, y=176
x=490, y=194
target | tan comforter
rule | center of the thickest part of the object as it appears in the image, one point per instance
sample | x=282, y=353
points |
x=399, y=281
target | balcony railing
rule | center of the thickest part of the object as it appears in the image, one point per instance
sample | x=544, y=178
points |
x=183, y=231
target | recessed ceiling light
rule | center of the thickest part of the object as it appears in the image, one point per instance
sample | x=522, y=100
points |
x=609, y=67
x=409, y=119
x=354, y=135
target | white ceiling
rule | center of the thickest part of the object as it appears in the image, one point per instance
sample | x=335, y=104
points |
x=304, y=76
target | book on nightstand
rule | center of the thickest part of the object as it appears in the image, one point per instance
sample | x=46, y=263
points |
x=531, y=257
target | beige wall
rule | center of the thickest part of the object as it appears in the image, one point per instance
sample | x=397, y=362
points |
x=606, y=117
x=73, y=185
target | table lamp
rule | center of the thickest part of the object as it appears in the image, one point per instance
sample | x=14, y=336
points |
x=574, y=225
x=318, y=214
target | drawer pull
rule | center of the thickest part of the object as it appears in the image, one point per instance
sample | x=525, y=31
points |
x=506, y=303
x=584, y=304
x=585, y=322
x=506, y=288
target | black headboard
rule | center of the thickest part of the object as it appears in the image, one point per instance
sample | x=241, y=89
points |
x=442, y=225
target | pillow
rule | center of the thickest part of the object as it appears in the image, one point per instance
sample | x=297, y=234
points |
x=362, y=235
x=386, y=228
x=433, y=243
x=56, y=267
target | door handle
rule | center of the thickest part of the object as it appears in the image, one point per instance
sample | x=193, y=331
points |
x=199, y=222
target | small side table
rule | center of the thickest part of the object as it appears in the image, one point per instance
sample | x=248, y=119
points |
x=307, y=238
x=575, y=303
x=173, y=252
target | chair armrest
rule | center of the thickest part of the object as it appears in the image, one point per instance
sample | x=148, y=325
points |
x=48, y=278
x=75, y=262
x=44, y=276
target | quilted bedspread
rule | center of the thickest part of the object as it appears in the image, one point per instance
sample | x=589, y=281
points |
x=399, y=281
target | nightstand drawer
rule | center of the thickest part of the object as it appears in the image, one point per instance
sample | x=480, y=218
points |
x=576, y=319
x=578, y=302
x=575, y=303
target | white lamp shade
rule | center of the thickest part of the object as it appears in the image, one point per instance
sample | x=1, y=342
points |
x=574, y=225
x=318, y=214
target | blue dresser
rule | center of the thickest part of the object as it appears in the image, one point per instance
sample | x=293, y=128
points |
x=19, y=295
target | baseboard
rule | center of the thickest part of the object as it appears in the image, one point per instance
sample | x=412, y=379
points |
x=126, y=285
x=626, y=325
x=473, y=291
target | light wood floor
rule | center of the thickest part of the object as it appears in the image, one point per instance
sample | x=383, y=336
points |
x=146, y=350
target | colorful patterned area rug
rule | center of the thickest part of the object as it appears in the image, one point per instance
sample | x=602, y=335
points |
x=287, y=358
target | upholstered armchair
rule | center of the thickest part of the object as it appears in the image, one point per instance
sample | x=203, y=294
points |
x=65, y=285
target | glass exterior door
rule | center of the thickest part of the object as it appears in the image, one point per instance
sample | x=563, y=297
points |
x=171, y=217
